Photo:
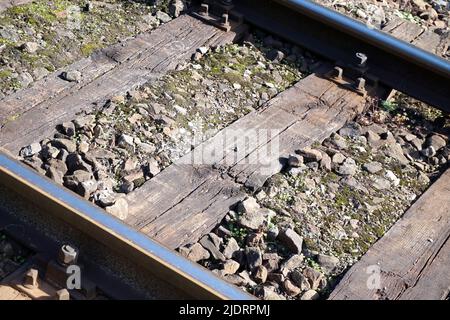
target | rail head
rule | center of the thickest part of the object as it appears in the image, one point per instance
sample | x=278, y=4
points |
x=370, y=35
x=162, y=262
x=392, y=63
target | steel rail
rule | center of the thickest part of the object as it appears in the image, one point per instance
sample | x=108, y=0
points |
x=370, y=35
x=161, y=262
x=332, y=35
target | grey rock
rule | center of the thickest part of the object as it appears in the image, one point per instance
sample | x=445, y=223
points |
x=67, y=144
x=86, y=188
x=152, y=167
x=290, y=264
x=291, y=289
x=25, y=79
x=49, y=152
x=215, y=239
x=105, y=197
x=245, y=275
x=347, y=168
x=86, y=121
x=176, y=8
x=40, y=73
x=276, y=277
x=126, y=142
x=417, y=143
x=354, y=184
x=310, y=295
x=30, y=47
x=195, y=252
x=428, y=152
x=59, y=165
x=30, y=150
x=119, y=209
x=231, y=248
x=163, y=17
x=373, y=167
x=338, y=141
x=272, y=232
x=299, y=279
x=260, y=274
x=75, y=162
x=127, y=186
x=72, y=181
x=271, y=261
x=130, y=164
x=155, y=108
x=209, y=245
x=147, y=147
x=235, y=279
x=248, y=205
x=83, y=147
x=275, y=55
x=55, y=175
x=230, y=267
x=310, y=155
x=35, y=163
x=325, y=163
x=253, y=256
x=253, y=220
x=68, y=128
x=291, y=240
x=295, y=161
x=380, y=183
x=372, y=138
x=436, y=141
x=395, y=151
x=352, y=130
x=314, y=277
x=328, y=263
x=268, y=293
x=223, y=232
x=338, y=158
x=72, y=76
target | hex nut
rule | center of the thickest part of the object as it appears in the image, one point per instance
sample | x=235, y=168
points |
x=62, y=294
x=67, y=255
x=30, y=280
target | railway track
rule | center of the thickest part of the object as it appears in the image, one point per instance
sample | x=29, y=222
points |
x=181, y=206
x=27, y=197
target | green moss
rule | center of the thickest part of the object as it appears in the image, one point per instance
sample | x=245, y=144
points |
x=39, y=12
x=88, y=48
x=5, y=74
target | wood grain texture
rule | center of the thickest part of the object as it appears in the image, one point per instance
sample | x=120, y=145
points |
x=188, y=199
x=413, y=256
x=35, y=112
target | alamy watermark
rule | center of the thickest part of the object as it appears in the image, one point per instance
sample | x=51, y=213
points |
x=73, y=281
x=374, y=279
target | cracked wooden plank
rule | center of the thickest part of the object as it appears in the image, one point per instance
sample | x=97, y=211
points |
x=328, y=113
x=188, y=199
x=413, y=256
x=35, y=112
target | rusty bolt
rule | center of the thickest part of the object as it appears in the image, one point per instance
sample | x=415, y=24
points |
x=204, y=9
x=67, y=255
x=337, y=73
x=361, y=59
x=361, y=84
x=62, y=294
x=224, y=22
x=30, y=280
